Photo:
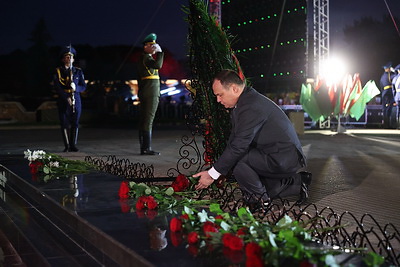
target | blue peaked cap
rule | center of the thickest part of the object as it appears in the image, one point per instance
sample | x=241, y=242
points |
x=387, y=65
x=68, y=50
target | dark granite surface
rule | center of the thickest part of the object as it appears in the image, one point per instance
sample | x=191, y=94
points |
x=94, y=198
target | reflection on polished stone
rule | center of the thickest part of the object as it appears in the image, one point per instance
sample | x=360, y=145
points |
x=88, y=208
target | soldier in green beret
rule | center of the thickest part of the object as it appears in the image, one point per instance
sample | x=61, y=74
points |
x=149, y=90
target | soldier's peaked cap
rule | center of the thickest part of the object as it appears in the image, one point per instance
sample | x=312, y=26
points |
x=387, y=65
x=68, y=50
x=151, y=38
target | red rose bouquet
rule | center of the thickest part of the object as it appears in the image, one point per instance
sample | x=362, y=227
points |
x=179, y=193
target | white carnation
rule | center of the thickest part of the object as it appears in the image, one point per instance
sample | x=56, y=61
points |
x=55, y=164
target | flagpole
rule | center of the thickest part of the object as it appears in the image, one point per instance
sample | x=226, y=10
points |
x=340, y=128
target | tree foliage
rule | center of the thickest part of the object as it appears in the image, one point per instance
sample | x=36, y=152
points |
x=371, y=43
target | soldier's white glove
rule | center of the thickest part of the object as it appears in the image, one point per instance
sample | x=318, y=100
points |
x=73, y=86
x=157, y=48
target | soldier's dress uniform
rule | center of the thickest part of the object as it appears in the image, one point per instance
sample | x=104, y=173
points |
x=387, y=96
x=69, y=115
x=396, y=94
x=149, y=94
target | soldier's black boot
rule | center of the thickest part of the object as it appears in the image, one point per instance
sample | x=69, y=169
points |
x=64, y=133
x=146, y=148
x=73, y=140
x=141, y=141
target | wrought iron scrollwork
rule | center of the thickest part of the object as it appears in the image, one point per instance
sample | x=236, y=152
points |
x=190, y=158
x=122, y=167
x=328, y=228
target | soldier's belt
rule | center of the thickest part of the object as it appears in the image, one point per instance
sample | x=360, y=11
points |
x=68, y=90
x=387, y=87
x=151, y=77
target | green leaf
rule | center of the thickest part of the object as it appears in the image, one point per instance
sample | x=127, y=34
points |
x=215, y=208
x=147, y=191
x=46, y=170
x=242, y=212
x=373, y=259
x=46, y=178
x=170, y=191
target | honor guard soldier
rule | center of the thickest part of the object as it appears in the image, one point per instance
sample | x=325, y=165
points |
x=149, y=90
x=69, y=82
x=387, y=95
x=396, y=94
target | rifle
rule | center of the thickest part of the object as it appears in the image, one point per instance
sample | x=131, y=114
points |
x=72, y=80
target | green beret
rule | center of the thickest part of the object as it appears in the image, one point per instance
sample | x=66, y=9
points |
x=151, y=38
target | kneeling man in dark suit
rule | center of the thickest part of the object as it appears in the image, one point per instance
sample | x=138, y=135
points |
x=263, y=149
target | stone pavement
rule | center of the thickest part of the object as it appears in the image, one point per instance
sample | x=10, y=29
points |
x=356, y=171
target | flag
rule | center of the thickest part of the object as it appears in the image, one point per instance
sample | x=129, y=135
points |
x=369, y=91
x=309, y=103
x=354, y=94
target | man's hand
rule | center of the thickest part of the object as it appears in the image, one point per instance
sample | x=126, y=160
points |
x=157, y=48
x=205, y=180
x=69, y=101
x=73, y=86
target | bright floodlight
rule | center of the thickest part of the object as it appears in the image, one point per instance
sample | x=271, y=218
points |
x=333, y=70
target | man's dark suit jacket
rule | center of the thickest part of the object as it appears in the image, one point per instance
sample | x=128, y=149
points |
x=264, y=133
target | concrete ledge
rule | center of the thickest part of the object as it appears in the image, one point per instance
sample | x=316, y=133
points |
x=11, y=110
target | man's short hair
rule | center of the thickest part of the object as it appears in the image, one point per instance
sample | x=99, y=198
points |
x=227, y=77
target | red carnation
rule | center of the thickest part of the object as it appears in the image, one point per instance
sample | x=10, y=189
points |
x=175, y=225
x=242, y=231
x=254, y=262
x=219, y=217
x=306, y=263
x=232, y=241
x=184, y=217
x=151, y=203
x=235, y=256
x=181, y=183
x=193, y=237
x=124, y=190
x=141, y=203
x=209, y=227
x=193, y=250
x=176, y=238
x=34, y=177
x=254, y=255
x=253, y=250
x=124, y=205
x=34, y=166
x=151, y=214
x=140, y=214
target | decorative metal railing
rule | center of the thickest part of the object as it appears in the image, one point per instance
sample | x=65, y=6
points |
x=328, y=227
x=122, y=167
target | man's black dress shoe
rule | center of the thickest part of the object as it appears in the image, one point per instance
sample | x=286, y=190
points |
x=149, y=152
x=306, y=178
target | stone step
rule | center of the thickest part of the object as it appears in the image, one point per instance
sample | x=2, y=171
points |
x=56, y=234
x=36, y=240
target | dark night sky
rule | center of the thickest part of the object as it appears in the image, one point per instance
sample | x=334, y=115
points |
x=102, y=22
